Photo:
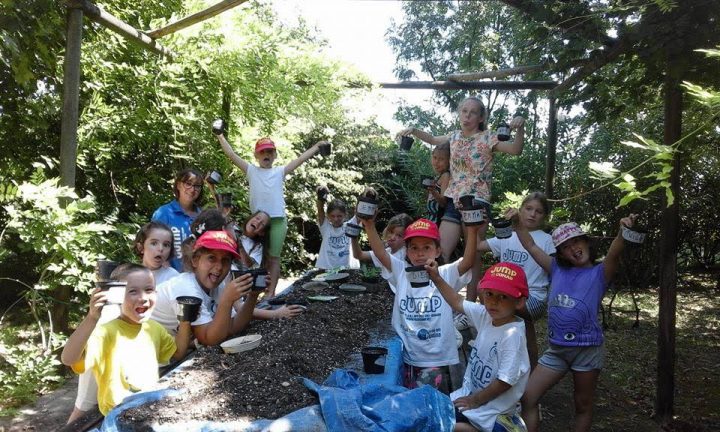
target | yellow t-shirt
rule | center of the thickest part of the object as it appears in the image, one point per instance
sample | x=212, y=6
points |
x=124, y=358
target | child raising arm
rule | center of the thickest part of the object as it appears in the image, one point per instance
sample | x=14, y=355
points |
x=498, y=366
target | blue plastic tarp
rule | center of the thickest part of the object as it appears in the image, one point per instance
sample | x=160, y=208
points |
x=349, y=401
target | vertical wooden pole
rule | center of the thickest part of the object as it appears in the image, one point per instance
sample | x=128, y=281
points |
x=71, y=92
x=226, y=106
x=551, y=149
x=68, y=140
x=670, y=223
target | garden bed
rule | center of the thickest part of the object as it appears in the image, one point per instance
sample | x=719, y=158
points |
x=265, y=382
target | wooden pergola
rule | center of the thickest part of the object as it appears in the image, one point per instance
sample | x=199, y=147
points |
x=77, y=9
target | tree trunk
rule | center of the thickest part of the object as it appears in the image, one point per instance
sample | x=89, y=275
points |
x=551, y=149
x=670, y=222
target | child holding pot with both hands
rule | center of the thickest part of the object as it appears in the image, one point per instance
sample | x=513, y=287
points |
x=421, y=318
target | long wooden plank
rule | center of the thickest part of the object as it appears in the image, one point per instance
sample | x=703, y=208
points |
x=194, y=18
x=500, y=73
x=101, y=16
x=472, y=85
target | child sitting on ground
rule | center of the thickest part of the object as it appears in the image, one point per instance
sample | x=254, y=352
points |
x=335, y=246
x=499, y=367
x=422, y=320
x=124, y=353
x=267, y=192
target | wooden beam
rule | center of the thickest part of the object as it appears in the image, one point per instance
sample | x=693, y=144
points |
x=500, y=73
x=195, y=18
x=472, y=85
x=71, y=97
x=550, y=152
x=100, y=16
x=597, y=60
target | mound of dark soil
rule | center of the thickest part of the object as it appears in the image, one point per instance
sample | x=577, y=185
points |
x=265, y=382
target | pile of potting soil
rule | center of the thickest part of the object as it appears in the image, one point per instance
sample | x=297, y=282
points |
x=265, y=382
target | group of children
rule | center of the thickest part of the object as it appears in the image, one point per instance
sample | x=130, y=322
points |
x=501, y=373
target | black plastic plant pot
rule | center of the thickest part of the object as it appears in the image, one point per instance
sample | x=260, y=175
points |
x=428, y=182
x=636, y=235
x=188, y=308
x=259, y=281
x=104, y=268
x=226, y=199
x=325, y=149
x=418, y=276
x=366, y=208
x=213, y=177
x=472, y=216
x=352, y=230
x=115, y=290
x=406, y=142
x=466, y=201
x=218, y=126
x=374, y=359
x=503, y=228
x=322, y=193
x=503, y=132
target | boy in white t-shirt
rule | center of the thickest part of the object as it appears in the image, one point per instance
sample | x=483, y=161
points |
x=421, y=318
x=267, y=191
x=498, y=367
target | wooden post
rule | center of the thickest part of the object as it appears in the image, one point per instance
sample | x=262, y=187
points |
x=68, y=139
x=71, y=97
x=500, y=73
x=226, y=105
x=551, y=149
x=670, y=230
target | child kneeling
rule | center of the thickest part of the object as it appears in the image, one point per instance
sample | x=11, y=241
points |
x=498, y=368
x=124, y=354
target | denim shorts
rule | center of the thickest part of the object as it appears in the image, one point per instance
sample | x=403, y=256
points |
x=578, y=359
x=451, y=213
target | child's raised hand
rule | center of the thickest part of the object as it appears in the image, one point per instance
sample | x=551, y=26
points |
x=628, y=221
x=517, y=122
x=405, y=132
x=218, y=127
x=98, y=298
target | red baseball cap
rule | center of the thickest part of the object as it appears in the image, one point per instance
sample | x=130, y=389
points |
x=217, y=240
x=506, y=277
x=422, y=228
x=264, y=143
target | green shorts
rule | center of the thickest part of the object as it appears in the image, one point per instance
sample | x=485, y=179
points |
x=276, y=239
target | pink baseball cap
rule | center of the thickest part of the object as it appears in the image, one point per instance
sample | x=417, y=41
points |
x=217, y=240
x=264, y=143
x=422, y=228
x=565, y=232
x=507, y=278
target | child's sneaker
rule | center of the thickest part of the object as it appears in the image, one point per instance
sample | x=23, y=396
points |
x=462, y=322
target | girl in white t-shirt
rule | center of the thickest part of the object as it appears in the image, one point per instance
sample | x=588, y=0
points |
x=154, y=244
x=421, y=318
x=532, y=214
x=335, y=246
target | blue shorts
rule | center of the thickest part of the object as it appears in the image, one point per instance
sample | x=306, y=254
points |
x=578, y=359
x=451, y=213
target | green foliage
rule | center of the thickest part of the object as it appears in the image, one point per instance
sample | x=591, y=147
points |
x=369, y=271
x=25, y=368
